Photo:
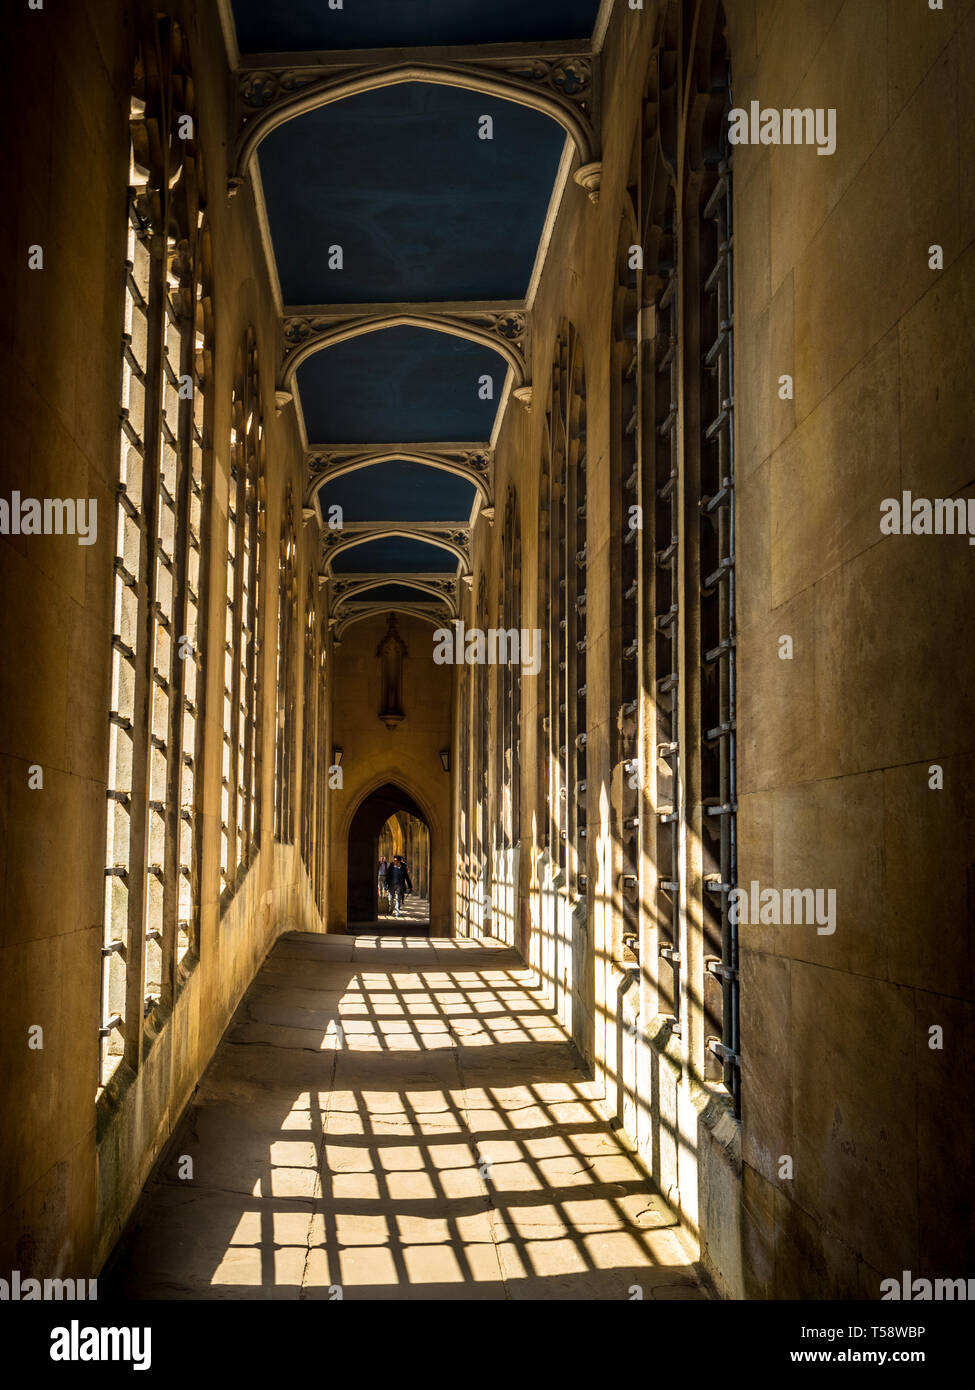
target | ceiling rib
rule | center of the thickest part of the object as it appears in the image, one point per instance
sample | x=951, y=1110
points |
x=344, y=587
x=435, y=614
x=501, y=325
x=559, y=79
x=450, y=536
x=325, y=463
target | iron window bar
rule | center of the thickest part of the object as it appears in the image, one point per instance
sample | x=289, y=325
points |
x=664, y=617
x=718, y=683
x=667, y=556
x=728, y=1056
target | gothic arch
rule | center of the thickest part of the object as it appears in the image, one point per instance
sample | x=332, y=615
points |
x=381, y=581
x=397, y=780
x=507, y=88
x=434, y=323
x=391, y=455
x=343, y=623
x=385, y=532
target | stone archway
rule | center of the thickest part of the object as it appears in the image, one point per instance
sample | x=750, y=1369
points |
x=363, y=838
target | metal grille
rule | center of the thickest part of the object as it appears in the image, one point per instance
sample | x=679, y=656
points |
x=481, y=866
x=155, y=727
x=323, y=763
x=666, y=608
x=570, y=563
x=188, y=725
x=311, y=717
x=509, y=678
x=626, y=563
x=243, y=688
x=126, y=736
x=464, y=803
x=559, y=718
x=284, y=813
x=544, y=684
x=578, y=503
x=162, y=689
x=718, y=637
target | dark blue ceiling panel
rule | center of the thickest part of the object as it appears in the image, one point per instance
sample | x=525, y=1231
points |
x=399, y=384
x=297, y=24
x=422, y=208
x=395, y=554
x=393, y=593
x=399, y=491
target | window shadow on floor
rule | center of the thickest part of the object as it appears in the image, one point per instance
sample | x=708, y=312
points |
x=395, y=1117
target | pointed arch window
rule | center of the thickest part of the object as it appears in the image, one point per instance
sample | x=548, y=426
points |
x=310, y=722
x=513, y=622
x=151, y=916
x=243, y=687
x=662, y=484
x=323, y=763
x=717, y=720
x=284, y=808
x=571, y=563
x=464, y=800
x=558, y=637
x=507, y=775
x=626, y=530
x=481, y=765
x=547, y=829
x=688, y=819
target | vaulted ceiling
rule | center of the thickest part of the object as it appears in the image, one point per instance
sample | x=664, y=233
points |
x=265, y=26
x=404, y=244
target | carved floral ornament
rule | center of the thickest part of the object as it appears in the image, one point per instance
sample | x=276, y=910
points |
x=508, y=324
x=569, y=77
x=323, y=461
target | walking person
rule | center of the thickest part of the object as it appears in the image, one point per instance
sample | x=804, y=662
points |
x=381, y=883
x=398, y=882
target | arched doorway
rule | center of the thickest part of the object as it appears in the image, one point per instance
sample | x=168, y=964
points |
x=388, y=821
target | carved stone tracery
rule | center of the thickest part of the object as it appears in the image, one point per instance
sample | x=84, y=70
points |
x=569, y=77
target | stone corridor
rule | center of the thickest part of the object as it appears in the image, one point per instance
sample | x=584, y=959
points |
x=394, y=1117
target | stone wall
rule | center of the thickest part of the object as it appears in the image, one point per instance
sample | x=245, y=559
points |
x=835, y=288
x=836, y=745
x=70, y=1173
x=407, y=755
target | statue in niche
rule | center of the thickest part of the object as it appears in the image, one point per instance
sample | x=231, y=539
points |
x=391, y=651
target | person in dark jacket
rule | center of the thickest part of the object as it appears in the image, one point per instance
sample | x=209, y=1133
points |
x=398, y=882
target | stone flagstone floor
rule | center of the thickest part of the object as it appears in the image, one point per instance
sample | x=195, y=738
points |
x=394, y=1117
x=415, y=916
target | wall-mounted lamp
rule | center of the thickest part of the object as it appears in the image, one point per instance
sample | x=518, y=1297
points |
x=445, y=759
x=336, y=757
